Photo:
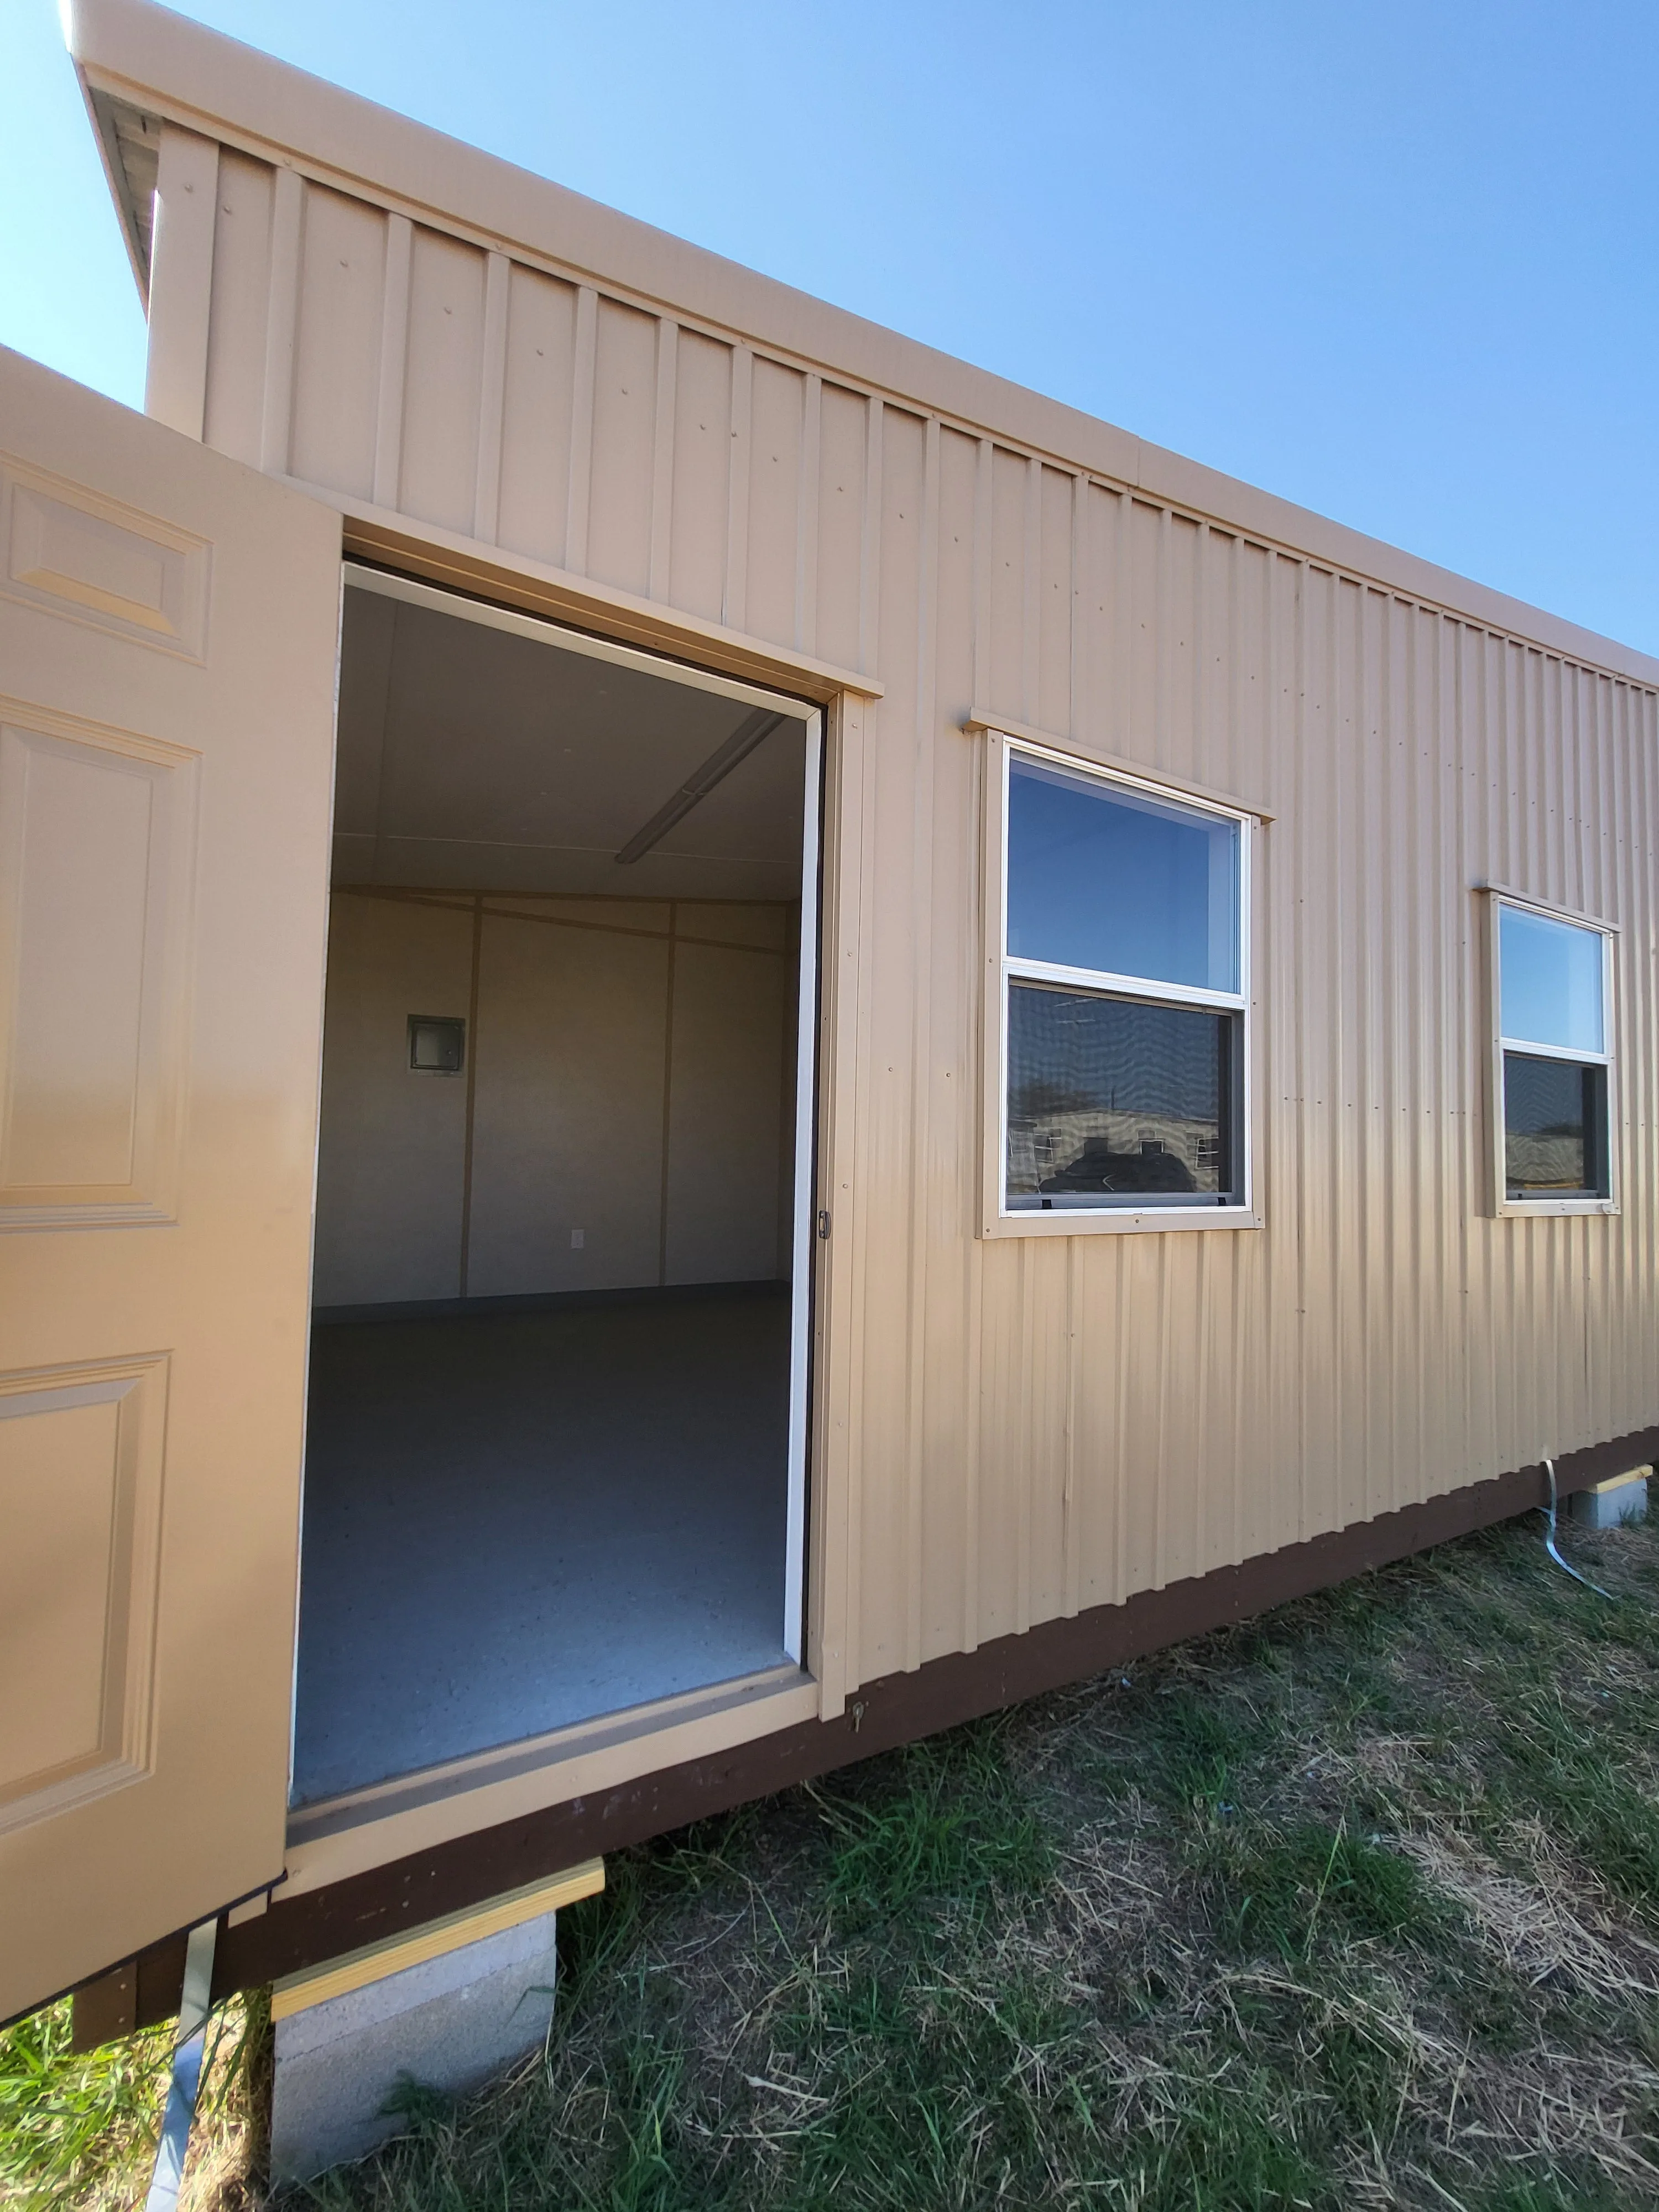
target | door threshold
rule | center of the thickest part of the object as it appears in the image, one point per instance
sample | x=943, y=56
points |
x=338, y=1837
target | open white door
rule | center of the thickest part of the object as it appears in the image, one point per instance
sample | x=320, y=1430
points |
x=168, y=640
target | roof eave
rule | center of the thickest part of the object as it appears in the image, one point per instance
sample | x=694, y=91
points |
x=134, y=53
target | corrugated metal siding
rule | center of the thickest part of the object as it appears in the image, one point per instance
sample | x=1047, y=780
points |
x=1024, y=1427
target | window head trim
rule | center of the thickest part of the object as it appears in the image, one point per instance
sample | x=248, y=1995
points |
x=1000, y=969
x=1495, y=898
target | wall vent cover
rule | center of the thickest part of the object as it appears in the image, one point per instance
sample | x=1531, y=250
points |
x=437, y=1044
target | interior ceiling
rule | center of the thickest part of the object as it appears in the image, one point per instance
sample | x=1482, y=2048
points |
x=473, y=759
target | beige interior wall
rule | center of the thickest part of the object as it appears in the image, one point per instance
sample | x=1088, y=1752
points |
x=567, y=1133
x=721, y=1219
x=391, y=1150
x=629, y=1080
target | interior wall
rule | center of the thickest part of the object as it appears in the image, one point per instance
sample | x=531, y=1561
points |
x=392, y=1147
x=567, y=1128
x=730, y=1036
x=628, y=1083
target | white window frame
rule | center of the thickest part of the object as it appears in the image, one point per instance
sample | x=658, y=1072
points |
x=1000, y=968
x=1496, y=898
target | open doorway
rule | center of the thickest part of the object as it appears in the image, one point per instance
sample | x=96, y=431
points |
x=555, y=1449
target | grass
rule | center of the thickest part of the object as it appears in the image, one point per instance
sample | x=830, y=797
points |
x=81, y=2131
x=1354, y=1906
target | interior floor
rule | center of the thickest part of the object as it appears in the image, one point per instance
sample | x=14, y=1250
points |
x=518, y=1520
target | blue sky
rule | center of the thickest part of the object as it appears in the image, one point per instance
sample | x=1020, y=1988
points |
x=1400, y=262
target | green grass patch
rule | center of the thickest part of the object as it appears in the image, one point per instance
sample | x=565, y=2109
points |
x=80, y=2129
x=947, y=1825
x=1286, y=1890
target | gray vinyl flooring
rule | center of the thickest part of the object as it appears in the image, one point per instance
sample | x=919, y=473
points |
x=517, y=1521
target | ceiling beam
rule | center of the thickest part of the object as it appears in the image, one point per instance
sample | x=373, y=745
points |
x=753, y=731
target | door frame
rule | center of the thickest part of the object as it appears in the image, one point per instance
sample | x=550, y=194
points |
x=367, y=1827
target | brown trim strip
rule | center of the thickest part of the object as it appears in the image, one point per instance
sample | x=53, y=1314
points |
x=897, y=1709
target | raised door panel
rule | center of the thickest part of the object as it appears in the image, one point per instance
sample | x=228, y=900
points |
x=72, y=550
x=80, y=1497
x=96, y=868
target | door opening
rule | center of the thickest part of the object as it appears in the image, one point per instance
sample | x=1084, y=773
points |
x=555, y=1451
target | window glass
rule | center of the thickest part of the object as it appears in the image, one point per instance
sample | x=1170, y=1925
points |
x=1112, y=1101
x=1554, y=1114
x=1550, y=981
x=1105, y=878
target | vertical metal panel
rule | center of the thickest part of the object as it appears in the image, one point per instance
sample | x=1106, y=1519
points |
x=870, y=571
x=887, y=1561
x=1008, y=1430
x=624, y=446
x=734, y=601
x=947, y=1130
x=702, y=465
x=806, y=521
x=1177, y=637
x=287, y=217
x=338, y=342
x=1010, y=477
x=239, y=305
x=777, y=411
x=662, y=454
x=839, y=1318
x=1055, y=555
x=914, y=527
x=443, y=381
x=181, y=278
x=394, y=358
x=578, y=500
x=492, y=396
x=842, y=424
x=536, y=405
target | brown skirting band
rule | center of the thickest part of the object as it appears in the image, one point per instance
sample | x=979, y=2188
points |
x=897, y=1709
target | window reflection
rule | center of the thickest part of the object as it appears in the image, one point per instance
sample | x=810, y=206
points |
x=1106, y=878
x=1551, y=981
x=1111, y=1102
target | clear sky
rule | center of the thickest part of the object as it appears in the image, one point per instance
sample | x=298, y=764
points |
x=1399, y=262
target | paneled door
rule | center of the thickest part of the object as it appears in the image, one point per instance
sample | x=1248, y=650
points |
x=168, y=638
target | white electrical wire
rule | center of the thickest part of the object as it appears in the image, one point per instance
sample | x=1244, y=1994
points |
x=1553, y=1548
x=186, y=2071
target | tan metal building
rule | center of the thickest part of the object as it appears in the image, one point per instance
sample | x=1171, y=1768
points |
x=1094, y=1030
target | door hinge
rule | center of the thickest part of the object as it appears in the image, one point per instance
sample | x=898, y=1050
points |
x=823, y=1223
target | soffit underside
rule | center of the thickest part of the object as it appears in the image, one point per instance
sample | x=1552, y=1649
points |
x=132, y=144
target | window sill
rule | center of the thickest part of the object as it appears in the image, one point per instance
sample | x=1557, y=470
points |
x=1551, y=1208
x=1141, y=1221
